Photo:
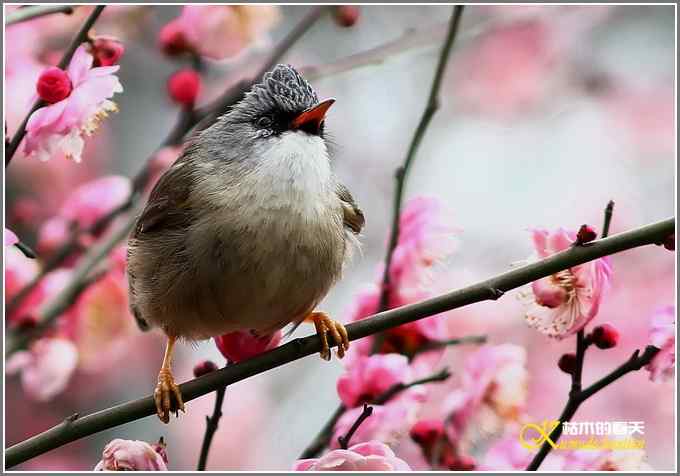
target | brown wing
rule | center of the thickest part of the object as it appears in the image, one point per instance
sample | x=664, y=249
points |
x=353, y=217
x=167, y=208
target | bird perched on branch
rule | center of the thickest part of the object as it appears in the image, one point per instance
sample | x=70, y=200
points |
x=248, y=230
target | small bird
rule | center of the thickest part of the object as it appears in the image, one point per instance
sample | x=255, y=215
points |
x=247, y=230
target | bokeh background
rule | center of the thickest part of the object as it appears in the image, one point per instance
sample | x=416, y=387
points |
x=546, y=114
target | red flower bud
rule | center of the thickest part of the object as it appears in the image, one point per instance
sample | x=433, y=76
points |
x=346, y=15
x=585, y=235
x=107, y=51
x=25, y=322
x=54, y=85
x=242, y=345
x=567, y=363
x=184, y=86
x=171, y=39
x=605, y=336
x=426, y=432
x=204, y=367
x=669, y=242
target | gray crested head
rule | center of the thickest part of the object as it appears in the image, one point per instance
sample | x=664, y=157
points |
x=283, y=90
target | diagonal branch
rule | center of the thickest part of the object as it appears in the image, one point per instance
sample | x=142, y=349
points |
x=77, y=428
x=79, y=38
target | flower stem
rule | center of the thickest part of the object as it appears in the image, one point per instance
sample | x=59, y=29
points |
x=344, y=440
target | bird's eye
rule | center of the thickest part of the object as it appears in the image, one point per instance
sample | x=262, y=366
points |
x=264, y=122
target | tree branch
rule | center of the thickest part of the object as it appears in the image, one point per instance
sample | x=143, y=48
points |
x=36, y=11
x=80, y=37
x=302, y=347
x=402, y=172
x=344, y=440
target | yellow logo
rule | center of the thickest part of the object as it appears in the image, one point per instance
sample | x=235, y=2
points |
x=532, y=436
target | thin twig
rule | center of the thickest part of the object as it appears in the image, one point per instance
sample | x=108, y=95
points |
x=185, y=122
x=438, y=344
x=211, y=424
x=36, y=11
x=80, y=37
x=402, y=172
x=302, y=347
x=397, y=388
x=344, y=440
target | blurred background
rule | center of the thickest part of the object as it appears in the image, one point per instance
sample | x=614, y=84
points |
x=546, y=114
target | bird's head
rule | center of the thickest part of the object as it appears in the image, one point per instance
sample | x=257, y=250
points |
x=283, y=102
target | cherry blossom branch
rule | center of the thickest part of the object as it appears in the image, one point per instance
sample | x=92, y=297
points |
x=187, y=120
x=211, y=424
x=344, y=440
x=79, y=38
x=490, y=289
x=402, y=172
x=575, y=393
x=324, y=436
x=36, y=11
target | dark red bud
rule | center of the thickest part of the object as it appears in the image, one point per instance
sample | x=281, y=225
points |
x=184, y=86
x=463, y=463
x=53, y=85
x=425, y=432
x=172, y=40
x=605, y=336
x=107, y=51
x=567, y=363
x=204, y=367
x=346, y=15
x=585, y=235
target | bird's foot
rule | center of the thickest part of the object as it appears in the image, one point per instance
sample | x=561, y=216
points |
x=325, y=325
x=167, y=396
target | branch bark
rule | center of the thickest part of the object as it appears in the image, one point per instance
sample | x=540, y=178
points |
x=79, y=38
x=489, y=289
x=211, y=425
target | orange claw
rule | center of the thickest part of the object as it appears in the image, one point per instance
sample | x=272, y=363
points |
x=325, y=325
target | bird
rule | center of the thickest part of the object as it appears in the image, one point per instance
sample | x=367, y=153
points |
x=248, y=230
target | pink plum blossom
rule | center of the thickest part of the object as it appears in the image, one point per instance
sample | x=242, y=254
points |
x=223, y=31
x=492, y=391
x=10, y=238
x=131, y=455
x=369, y=376
x=662, y=336
x=369, y=456
x=565, y=302
x=45, y=368
x=242, y=345
x=82, y=209
x=19, y=271
x=58, y=128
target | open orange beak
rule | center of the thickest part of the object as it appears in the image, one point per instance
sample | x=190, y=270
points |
x=311, y=119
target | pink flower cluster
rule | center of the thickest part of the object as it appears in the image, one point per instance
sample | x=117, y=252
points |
x=426, y=239
x=78, y=100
